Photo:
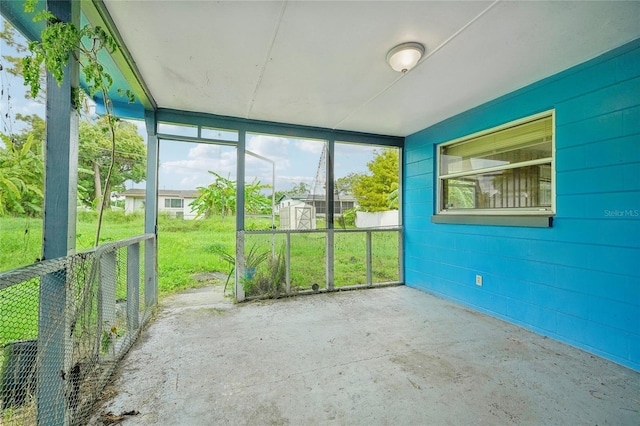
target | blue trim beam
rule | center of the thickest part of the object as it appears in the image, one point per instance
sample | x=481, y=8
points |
x=280, y=129
x=13, y=11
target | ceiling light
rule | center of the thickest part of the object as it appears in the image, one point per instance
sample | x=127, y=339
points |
x=405, y=56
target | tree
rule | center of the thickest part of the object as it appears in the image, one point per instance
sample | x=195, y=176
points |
x=61, y=42
x=35, y=128
x=94, y=140
x=393, y=198
x=8, y=35
x=299, y=189
x=13, y=64
x=373, y=191
x=22, y=169
x=94, y=159
x=344, y=185
x=219, y=197
x=21, y=178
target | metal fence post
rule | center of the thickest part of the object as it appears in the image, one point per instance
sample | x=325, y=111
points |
x=150, y=276
x=330, y=268
x=288, y=262
x=133, y=287
x=369, y=259
x=53, y=356
x=239, y=287
x=106, y=295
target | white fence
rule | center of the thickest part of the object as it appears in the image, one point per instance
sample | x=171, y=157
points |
x=389, y=218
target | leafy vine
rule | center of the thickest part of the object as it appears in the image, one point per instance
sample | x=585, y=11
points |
x=60, y=42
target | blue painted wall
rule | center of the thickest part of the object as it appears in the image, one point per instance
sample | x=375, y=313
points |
x=578, y=281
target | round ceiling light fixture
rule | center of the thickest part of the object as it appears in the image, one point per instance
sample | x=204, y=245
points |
x=405, y=56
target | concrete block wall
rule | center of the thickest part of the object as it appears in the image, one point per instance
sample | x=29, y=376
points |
x=578, y=281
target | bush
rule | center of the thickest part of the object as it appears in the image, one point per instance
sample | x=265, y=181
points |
x=348, y=218
x=269, y=278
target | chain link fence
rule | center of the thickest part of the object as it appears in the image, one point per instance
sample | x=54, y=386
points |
x=64, y=324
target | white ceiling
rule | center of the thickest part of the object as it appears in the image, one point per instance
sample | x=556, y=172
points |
x=322, y=63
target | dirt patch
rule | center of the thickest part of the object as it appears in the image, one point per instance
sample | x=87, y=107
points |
x=267, y=415
x=210, y=277
x=425, y=368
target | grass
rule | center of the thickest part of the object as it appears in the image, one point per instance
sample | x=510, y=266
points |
x=186, y=248
x=20, y=241
x=308, y=251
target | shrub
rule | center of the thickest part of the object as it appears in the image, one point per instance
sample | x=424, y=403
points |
x=269, y=277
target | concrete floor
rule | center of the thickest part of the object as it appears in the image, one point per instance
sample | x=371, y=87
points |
x=387, y=356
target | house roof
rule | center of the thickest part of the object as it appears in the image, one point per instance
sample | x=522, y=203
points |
x=177, y=193
x=319, y=197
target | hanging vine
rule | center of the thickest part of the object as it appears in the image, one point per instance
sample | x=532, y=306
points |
x=60, y=42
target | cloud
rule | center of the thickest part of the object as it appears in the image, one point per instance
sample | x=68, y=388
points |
x=285, y=182
x=274, y=148
x=211, y=152
x=195, y=180
x=194, y=170
x=313, y=147
x=177, y=130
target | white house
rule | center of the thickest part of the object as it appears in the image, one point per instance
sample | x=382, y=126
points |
x=175, y=203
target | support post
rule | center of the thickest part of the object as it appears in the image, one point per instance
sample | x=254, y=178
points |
x=400, y=217
x=288, y=262
x=150, y=272
x=240, y=155
x=106, y=295
x=59, y=234
x=369, y=259
x=151, y=212
x=329, y=195
x=240, y=273
x=133, y=287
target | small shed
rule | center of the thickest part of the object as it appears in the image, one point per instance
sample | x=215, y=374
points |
x=299, y=216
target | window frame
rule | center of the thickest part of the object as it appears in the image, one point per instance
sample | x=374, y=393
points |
x=168, y=200
x=474, y=214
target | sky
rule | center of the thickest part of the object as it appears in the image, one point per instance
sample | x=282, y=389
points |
x=185, y=165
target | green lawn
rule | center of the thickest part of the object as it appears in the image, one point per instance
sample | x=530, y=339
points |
x=187, y=248
x=308, y=252
x=184, y=247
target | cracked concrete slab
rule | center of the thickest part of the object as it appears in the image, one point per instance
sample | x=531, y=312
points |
x=386, y=356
